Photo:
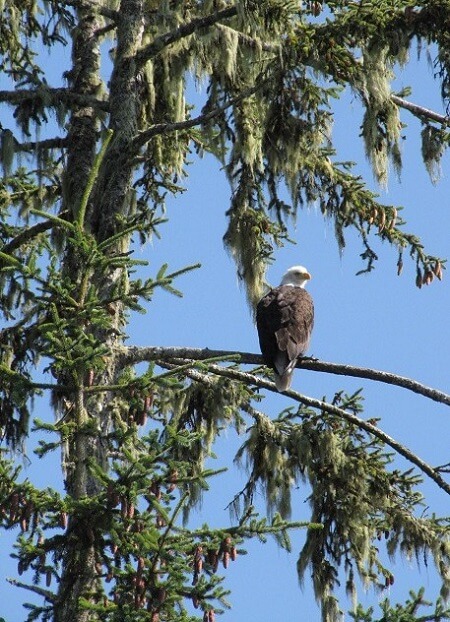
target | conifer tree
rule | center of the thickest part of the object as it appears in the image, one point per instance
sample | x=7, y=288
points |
x=87, y=165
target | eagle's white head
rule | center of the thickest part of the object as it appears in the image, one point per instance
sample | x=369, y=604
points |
x=297, y=276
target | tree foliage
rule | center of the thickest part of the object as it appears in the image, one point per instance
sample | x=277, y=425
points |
x=87, y=167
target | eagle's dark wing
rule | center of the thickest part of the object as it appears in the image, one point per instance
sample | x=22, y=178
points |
x=284, y=318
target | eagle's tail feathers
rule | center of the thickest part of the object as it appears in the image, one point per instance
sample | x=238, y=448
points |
x=283, y=381
x=281, y=363
x=283, y=372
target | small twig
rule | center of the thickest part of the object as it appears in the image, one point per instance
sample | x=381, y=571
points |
x=101, y=32
x=167, y=530
x=188, y=371
x=251, y=532
x=57, y=220
x=443, y=468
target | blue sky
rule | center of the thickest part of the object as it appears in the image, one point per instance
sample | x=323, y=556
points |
x=379, y=320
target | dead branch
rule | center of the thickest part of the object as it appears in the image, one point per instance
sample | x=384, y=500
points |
x=419, y=111
x=52, y=97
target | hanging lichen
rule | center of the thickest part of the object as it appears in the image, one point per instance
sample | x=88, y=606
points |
x=381, y=124
x=354, y=494
x=205, y=409
x=434, y=141
x=7, y=151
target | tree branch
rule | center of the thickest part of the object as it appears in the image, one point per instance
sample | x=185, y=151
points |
x=249, y=41
x=133, y=355
x=419, y=111
x=101, y=32
x=47, y=594
x=159, y=43
x=101, y=10
x=53, y=97
x=50, y=143
x=240, y=376
x=30, y=233
x=161, y=128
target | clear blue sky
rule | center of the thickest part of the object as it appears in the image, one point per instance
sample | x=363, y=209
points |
x=378, y=320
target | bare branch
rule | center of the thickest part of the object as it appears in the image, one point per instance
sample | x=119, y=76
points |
x=240, y=376
x=134, y=354
x=159, y=43
x=376, y=375
x=50, y=143
x=443, y=468
x=419, y=111
x=53, y=97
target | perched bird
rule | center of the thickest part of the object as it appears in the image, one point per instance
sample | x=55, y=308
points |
x=285, y=319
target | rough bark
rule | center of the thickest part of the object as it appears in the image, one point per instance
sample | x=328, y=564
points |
x=78, y=578
x=114, y=186
x=84, y=124
x=109, y=199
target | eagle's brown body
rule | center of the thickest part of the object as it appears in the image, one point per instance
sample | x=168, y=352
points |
x=284, y=318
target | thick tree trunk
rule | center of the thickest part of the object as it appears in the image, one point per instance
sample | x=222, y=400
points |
x=84, y=125
x=109, y=199
x=113, y=192
x=78, y=576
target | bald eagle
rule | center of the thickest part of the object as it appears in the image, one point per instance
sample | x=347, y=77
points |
x=285, y=319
